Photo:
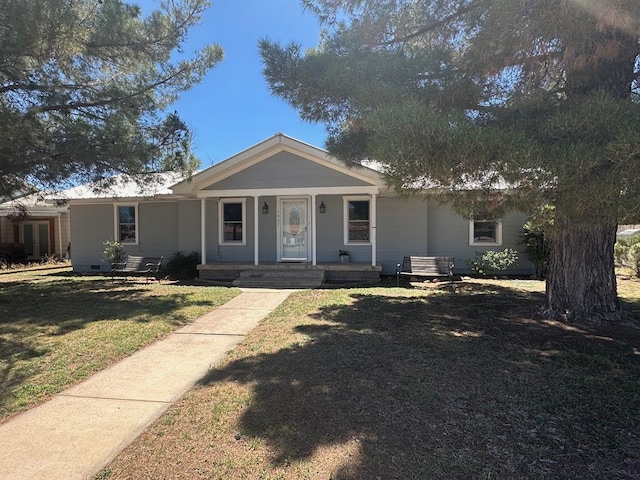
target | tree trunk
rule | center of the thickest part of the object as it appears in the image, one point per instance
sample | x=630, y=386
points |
x=581, y=283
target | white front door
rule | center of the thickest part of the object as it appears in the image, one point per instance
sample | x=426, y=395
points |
x=293, y=229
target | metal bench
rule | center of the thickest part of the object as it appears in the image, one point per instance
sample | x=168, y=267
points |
x=137, y=266
x=425, y=267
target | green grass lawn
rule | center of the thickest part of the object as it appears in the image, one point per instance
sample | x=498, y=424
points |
x=57, y=328
x=410, y=383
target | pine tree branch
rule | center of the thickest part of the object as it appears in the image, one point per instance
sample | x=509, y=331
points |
x=434, y=25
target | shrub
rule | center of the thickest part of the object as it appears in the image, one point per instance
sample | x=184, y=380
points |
x=634, y=257
x=537, y=248
x=181, y=266
x=113, y=252
x=492, y=262
x=627, y=253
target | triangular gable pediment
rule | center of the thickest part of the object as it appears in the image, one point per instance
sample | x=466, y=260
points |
x=279, y=162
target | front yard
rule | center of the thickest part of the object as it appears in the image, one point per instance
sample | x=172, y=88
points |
x=411, y=383
x=57, y=328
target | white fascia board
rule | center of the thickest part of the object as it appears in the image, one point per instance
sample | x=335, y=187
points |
x=225, y=168
x=264, y=150
x=269, y=192
x=96, y=201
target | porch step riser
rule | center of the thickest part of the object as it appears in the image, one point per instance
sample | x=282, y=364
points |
x=271, y=284
x=281, y=278
x=302, y=275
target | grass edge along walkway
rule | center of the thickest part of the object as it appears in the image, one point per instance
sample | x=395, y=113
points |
x=80, y=430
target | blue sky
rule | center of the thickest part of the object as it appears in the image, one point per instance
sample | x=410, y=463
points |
x=232, y=109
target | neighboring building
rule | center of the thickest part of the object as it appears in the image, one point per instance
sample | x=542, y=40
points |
x=41, y=223
x=282, y=202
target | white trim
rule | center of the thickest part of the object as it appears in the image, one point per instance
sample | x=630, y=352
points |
x=373, y=223
x=116, y=222
x=292, y=192
x=203, y=231
x=345, y=218
x=256, y=230
x=309, y=253
x=36, y=235
x=314, y=231
x=498, y=241
x=59, y=237
x=221, y=203
x=264, y=150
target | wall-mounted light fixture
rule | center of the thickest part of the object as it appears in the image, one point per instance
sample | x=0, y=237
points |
x=265, y=208
x=322, y=208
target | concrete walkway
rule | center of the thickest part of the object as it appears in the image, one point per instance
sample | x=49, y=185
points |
x=79, y=431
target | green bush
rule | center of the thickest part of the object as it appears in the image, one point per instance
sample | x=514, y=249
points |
x=537, y=248
x=634, y=257
x=113, y=252
x=492, y=262
x=627, y=253
x=181, y=266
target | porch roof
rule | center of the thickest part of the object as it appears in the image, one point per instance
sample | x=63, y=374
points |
x=360, y=180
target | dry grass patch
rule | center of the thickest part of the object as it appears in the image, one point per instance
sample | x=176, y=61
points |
x=409, y=383
x=57, y=328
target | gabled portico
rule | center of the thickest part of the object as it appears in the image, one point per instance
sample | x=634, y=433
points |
x=284, y=202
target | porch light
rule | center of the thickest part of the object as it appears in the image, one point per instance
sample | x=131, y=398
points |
x=322, y=208
x=265, y=208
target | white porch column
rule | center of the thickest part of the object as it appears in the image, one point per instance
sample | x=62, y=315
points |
x=62, y=249
x=314, y=231
x=374, y=235
x=203, y=231
x=256, y=236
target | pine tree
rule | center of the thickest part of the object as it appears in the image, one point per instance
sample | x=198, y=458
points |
x=84, y=85
x=470, y=96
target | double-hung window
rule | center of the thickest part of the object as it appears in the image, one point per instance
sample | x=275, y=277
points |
x=233, y=215
x=126, y=224
x=357, y=220
x=485, y=232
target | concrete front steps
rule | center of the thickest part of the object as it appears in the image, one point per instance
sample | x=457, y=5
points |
x=275, y=278
x=288, y=275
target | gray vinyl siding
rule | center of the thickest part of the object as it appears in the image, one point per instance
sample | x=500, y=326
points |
x=330, y=234
x=268, y=250
x=92, y=225
x=402, y=230
x=448, y=235
x=158, y=225
x=188, y=226
x=229, y=252
x=286, y=170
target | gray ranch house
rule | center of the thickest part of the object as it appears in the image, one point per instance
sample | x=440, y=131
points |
x=282, y=207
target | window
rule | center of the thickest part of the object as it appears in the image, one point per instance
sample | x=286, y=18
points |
x=232, y=215
x=485, y=232
x=357, y=220
x=126, y=224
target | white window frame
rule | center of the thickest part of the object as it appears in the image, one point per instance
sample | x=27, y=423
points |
x=498, y=241
x=345, y=203
x=116, y=222
x=221, y=204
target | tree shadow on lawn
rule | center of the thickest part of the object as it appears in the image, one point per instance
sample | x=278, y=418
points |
x=69, y=305
x=33, y=311
x=462, y=385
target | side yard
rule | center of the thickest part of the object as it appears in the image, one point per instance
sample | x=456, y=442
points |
x=409, y=383
x=57, y=328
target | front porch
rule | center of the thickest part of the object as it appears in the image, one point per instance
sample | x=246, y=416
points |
x=288, y=275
